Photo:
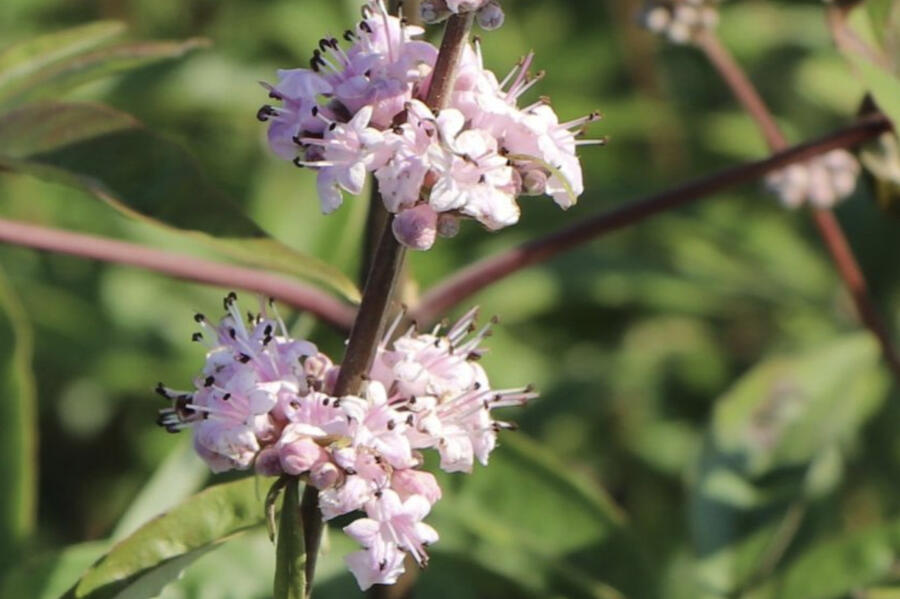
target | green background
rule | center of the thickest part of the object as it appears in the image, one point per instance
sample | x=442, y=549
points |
x=703, y=371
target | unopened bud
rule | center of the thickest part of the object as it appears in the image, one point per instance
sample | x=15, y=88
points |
x=268, y=463
x=300, y=456
x=416, y=228
x=448, y=226
x=433, y=11
x=490, y=16
x=324, y=475
x=416, y=482
x=534, y=182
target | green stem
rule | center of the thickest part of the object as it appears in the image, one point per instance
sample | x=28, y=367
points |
x=291, y=579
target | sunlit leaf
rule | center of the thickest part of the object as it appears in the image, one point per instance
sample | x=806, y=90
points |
x=771, y=449
x=83, y=145
x=18, y=424
x=57, y=78
x=21, y=61
x=141, y=564
x=181, y=474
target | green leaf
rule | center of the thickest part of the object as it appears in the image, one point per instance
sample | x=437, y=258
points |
x=21, y=61
x=49, y=575
x=140, y=565
x=290, y=560
x=82, y=145
x=882, y=84
x=181, y=474
x=18, y=432
x=785, y=411
x=837, y=567
x=56, y=78
x=567, y=534
x=774, y=446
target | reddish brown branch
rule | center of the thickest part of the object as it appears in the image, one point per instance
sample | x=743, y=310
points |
x=180, y=266
x=829, y=228
x=465, y=283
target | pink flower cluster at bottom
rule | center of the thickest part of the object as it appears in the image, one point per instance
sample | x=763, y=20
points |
x=265, y=400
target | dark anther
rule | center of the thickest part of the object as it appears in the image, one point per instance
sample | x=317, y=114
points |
x=391, y=425
x=232, y=333
x=209, y=381
x=365, y=27
x=199, y=317
x=243, y=358
x=323, y=44
x=349, y=35
x=332, y=126
x=268, y=330
x=297, y=162
x=265, y=112
x=226, y=397
x=196, y=336
x=325, y=401
x=161, y=390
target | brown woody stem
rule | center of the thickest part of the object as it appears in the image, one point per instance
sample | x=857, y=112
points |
x=382, y=276
x=465, y=283
x=179, y=266
x=827, y=225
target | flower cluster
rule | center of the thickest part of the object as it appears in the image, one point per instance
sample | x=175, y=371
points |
x=265, y=400
x=681, y=21
x=488, y=13
x=822, y=181
x=361, y=109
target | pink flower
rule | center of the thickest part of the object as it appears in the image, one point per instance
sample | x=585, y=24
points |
x=391, y=524
x=409, y=482
x=348, y=151
x=376, y=425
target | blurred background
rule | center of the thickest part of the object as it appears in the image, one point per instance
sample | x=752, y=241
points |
x=712, y=423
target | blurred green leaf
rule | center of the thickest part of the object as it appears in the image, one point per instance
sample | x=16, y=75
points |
x=785, y=411
x=140, y=565
x=840, y=566
x=290, y=557
x=771, y=449
x=48, y=576
x=180, y=475
x=882, y=84
x=567, y=535
x=83, y=145
x=18, y=424
x=882, y=159
x=59, y=77
x=22, y=61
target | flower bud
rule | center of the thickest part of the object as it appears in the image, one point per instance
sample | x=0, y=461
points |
x=300, y=456
x=324, y=475
x=409, y=482
x=416, y=228
x=490, y=16
x=433, y=11
x=448, y=226
x=268, y=462
x=534, y=182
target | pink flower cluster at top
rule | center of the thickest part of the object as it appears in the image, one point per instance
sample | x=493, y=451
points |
x=265, y=400
x=360, y=110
